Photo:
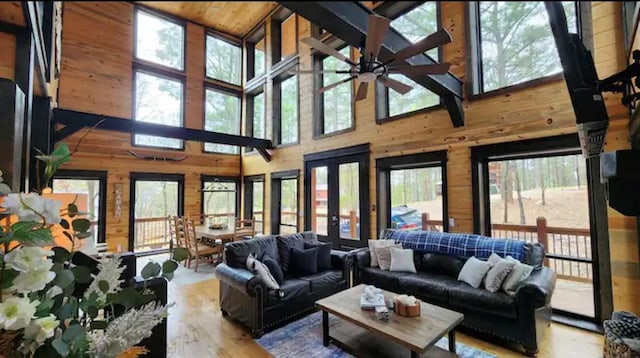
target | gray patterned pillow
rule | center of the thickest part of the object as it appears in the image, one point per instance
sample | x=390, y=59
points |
x=384, y=256
x=519, y=273
x=473, y=271
x=499, y=270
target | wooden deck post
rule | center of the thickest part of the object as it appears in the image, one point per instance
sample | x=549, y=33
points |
x=543, y=238
x=425, y=221
x=353, y=223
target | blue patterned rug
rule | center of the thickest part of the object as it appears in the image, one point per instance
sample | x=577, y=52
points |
x=303, y=338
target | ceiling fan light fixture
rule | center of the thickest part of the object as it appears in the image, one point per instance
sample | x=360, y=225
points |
x=367, y=77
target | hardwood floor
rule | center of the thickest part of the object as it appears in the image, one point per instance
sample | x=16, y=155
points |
x=197, y=329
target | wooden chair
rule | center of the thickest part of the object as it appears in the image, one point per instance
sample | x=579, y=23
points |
x=244, y=228
x=186, y=232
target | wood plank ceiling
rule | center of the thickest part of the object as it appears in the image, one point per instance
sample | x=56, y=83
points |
x=234, y=18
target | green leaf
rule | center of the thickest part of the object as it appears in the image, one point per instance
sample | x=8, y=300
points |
x=151, y=269
x=128, y=297
x=169, y=266
x=7, y=278
x=71, y=333
x=64, y=278
x=44, y=308
x=82, y=274
x=168, y=275
x=99, y=324
x=61, y=347
x=180, y=254
x=92, y=311
x=72, y=210
x=68, y=236
x=103, y=286
x=68, y=310
x=84, y=235
x=60, y=254
x=24, y=226
x=38, y=237
x=81, y=225
x=65, y=224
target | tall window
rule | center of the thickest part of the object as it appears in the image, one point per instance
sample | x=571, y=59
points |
x=414, y=25
x=220, y=199
x=286, y=111
x=256, y=54
x=222, y=114
x=284, y=202
x=288, y=37
x=516, y=44
x=337, y=109
x=159, y=40
x=260, y=58
x=158, y=98
x=254, y=200
x=413, y=189
x=224, y=60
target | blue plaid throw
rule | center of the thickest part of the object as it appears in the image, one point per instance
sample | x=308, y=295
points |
x=465, y=245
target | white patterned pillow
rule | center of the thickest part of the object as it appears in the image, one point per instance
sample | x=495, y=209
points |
x=262, y=271
x=372, y=249
x=384, y=256
x=519, y=273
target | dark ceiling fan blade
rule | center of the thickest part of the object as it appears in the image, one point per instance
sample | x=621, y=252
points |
x=434, y=40
x=333, y=85
x=435, y=69
x=322, y=47
x=395, y=85
x=362, y=91
x=292, y=72
x=376, y=30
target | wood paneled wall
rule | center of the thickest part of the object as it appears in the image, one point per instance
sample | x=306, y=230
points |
x=534, y=112
x=10, y=12
x=96, y=77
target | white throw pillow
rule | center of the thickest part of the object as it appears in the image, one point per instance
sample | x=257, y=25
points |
x=372, y=249
x=384, y=256
x=262, y=271
x=519, y=273
x=499, y=270
x=473, y=271
x=402, y=260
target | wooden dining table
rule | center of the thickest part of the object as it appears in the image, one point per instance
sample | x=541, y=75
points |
x=214, y=236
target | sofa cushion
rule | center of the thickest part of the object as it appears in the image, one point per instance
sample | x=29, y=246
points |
x=432, y=287
x=285, y=243
x=289, y=289
x=478, y=299
x=383, y=279
x=304, y=262
x=441, y=264
x=236, y=253
x=309, y=237
x=324, y=280
x=324, y=254
x=274, y=268
x=473, y=271
x=533, y=255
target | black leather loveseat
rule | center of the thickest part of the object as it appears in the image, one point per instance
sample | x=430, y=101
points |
x=522, y=318
x=245, y=298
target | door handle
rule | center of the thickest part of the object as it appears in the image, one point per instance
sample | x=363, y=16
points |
x=334, y=219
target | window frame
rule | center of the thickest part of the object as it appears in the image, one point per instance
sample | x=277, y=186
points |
x=394, y=10
x=255, y=36
x=102, y=178
x=318, y=98
x=276, y=114
x=225, y=38
x=248, y=197
x=166, y=17
x=474, y=60
x=165, y=74
x=204, y=178
x=276, y=194
x=276, y=20
x=227, y=91
x=249, y=96
x=385, y=165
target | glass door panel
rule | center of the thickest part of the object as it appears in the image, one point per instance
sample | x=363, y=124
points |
x=416, y=199
x=258, y=205
x=88, y=191
x=154, y=202
x=289, y=206
x=319, y=200
x=349, y=203
x=220, y=202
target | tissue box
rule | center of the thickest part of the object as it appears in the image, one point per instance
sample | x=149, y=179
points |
x=406, y=310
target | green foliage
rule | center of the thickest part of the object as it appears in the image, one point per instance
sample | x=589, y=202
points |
x=151, y=269
x=224, y=60
x=30, y=233
x=180, y=254
x=338, y=110
x=61, y=347
x=82, y=274
x=7, y=278
x=64, y=277
x=60, y=155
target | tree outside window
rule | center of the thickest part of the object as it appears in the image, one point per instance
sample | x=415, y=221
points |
x=224, y=60
x=289, y=110
x=338, y=111
x=159, y=40
x=222, y=115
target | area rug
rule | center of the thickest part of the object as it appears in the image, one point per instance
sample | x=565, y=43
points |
x=303, y=338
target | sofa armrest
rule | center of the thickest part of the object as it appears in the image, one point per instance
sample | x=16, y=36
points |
x=241, y=279
x=537, y=288
x=361, y=257
x=341, y=260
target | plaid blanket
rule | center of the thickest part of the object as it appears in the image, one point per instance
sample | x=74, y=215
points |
x=465, y=245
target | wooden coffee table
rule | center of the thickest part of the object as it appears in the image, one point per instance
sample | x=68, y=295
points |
x=360, y=330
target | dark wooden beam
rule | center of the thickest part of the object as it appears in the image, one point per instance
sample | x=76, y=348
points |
x=76, y=119
x=348, y=21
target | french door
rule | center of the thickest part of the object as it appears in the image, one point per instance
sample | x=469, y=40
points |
x=337, y=196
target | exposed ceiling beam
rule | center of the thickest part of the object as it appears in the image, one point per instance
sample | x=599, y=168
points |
x=75, y=120
x=348, y=21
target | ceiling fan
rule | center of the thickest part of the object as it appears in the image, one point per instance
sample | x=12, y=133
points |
x=370, y=68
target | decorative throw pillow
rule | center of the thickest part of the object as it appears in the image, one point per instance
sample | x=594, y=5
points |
x=519, y=273
x=402, y=260
x=384, y=256
x=285, y=244
x=304, y=262
x=324, y=254
x=372, y=249
x=499, y=270
x=473, y=271
x=262, y=271
x=274, y=268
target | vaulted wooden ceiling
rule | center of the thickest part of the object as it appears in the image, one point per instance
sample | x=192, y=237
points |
x=235, y=18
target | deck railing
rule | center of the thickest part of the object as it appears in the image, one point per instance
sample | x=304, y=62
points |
x=151, y=234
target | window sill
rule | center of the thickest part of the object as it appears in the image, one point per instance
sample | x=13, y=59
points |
x=256, y=82
x=517, y=87
x=410, y=114
x=133, y=144
x=280, y=146
x=333, y=134
x=220, y=153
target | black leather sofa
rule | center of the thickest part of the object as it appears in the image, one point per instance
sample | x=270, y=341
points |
x=522, y=318
x=246, y=299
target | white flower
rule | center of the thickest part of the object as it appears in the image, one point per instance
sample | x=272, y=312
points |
x=110, y=271
x=32, y=202
x=42, y=328
x=51, y=211
x=16, y=312
x=31, y=281
x=29, y=258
